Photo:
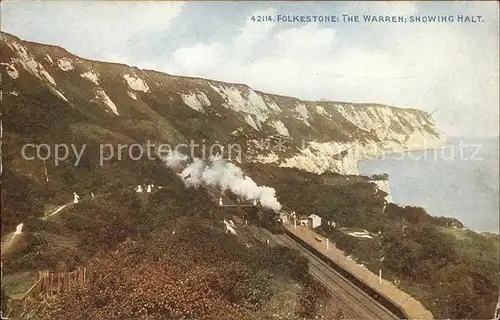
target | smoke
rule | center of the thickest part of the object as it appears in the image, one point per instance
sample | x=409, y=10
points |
x=175, y=159
x=218, y=173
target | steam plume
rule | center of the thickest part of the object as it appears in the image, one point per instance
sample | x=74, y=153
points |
x=175, y=159
x=225, y=175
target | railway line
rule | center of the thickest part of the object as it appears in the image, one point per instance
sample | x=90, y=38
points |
x=360, y=305
x=356, y=303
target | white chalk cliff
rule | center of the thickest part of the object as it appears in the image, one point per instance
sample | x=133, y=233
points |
x=391, y=130
x=320, y=135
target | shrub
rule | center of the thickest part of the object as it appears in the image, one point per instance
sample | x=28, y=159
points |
x=380, y=176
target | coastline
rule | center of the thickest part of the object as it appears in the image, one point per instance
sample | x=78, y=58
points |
x=463, y=181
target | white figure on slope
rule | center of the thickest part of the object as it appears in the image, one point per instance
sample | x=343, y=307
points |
x=19, y=228
x=149, y=188
x=220, y=201
x=139, y=188
x=76, y=197
x=92, y=196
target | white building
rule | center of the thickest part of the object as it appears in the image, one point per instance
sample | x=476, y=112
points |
x=303, y=221
x=314, y=221
x=284, y=217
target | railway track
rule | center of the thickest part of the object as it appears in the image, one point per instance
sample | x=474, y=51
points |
x=359, y=303
x=350, y=310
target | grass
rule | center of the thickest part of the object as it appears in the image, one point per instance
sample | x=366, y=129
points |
x=17, y=284
x=473, y=242
x=284, y=299
x=459, y=234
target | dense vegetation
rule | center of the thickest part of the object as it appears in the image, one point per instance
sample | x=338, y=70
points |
x=452, y=271
x=198, y=271
x=119, y=220
x=164, y=255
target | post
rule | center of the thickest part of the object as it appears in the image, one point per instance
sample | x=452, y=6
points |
x=294, y=223
x=43, y=289
x=267, y=241
x=380, y=276
x=46, y=280
x=69, y=281
x=246, y=223
x=51, y=283
x=66, y=279
x=327, y=243
x=40, y=278
x=37, y=289
x=45, y=170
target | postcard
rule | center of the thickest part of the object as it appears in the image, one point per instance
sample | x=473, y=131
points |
x=249, y=160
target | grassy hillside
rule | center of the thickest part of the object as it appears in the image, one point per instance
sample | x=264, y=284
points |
x=170, y=250
x=197, y=272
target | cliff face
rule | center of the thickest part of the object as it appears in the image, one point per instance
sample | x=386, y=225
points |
x=47, y=89
x=384, y=186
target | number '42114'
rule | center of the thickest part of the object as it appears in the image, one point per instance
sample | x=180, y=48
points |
x=262, y=18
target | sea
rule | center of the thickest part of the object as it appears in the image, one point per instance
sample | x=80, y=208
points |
x=460, y=180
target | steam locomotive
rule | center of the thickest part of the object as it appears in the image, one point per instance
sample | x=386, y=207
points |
x=264, y=218
x=271, y=221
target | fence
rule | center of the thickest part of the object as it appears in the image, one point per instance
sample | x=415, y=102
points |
x=48, y=283
x=392, y=306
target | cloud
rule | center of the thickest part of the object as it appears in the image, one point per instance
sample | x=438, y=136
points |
x=250, y=38
x=449, y=68
x=199, y=59
x=307, y=43
x=93, y=29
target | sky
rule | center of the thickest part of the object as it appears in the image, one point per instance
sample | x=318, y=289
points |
x=448, y=69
